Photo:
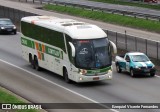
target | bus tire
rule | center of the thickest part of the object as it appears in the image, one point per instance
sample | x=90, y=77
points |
x=31, y=61
x=37, y=67
x=65, y=75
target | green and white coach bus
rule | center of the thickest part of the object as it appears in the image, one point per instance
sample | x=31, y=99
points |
x=78, y=51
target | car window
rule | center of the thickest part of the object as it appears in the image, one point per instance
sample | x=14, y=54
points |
x=127, y=58
x=5, y=22
x=140, y=58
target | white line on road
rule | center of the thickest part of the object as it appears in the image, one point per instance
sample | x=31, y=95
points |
x=55, y=84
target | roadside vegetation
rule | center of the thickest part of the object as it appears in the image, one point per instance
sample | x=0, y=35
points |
x=6, y=97
x=139, y=23
x=137, y=4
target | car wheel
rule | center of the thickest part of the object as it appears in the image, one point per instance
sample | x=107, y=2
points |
x=15, y=32
x=119, y=70
x=152, y=74
x=132, y=73
x=65, y=74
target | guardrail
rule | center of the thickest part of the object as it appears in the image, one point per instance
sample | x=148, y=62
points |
x=123, y=41
x=113, y=11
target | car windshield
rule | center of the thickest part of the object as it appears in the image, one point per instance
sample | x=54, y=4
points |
x=5, y=22
x=139, y=58
x=92, y=54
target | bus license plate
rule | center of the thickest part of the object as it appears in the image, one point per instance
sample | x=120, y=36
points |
x=96, y=78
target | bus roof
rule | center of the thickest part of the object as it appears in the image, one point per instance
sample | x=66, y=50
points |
x=75, y=29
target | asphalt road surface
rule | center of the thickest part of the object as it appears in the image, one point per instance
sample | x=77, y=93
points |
x=46, y=87
x=113, y=6
x=17, y=76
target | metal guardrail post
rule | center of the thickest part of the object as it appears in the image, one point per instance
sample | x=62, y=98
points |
x=136, y=43
x=14, y=15
x=157, y=51
x=116, y=39
x=3, y=10
x=126, y=39
x=107, y=32
x=146, y=46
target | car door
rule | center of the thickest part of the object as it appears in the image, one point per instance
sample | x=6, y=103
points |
x=127, y=58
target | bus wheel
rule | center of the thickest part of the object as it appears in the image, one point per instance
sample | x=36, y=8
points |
x=31, y=61
x=37, y=67
x=65, y=75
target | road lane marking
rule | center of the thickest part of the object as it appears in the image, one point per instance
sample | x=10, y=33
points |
x=56, y=84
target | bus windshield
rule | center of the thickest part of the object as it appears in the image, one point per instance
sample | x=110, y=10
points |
x=92, y=54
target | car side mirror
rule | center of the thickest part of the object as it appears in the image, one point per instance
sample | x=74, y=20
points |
x=127, y=60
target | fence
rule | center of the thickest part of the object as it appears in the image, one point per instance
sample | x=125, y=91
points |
x=132, y=43
x=14, y=14
x=123, y=41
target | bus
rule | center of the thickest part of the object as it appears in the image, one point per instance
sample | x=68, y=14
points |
x=78, y=51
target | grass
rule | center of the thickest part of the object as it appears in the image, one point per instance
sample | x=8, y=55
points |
x=137, y=4
x=149, y=25
x=6, y=97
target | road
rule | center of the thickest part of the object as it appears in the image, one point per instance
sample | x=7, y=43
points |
x=112, y=6
x=32, y=8
x=45, y=86
x=17, y=76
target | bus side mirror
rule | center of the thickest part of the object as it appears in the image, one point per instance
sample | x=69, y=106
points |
x=114, y=47
x=73, y=49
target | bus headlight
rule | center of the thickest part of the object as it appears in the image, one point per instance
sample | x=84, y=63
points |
x=110, y=70
x=83, y=72
x=80, y=78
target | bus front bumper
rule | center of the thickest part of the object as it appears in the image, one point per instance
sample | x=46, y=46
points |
x=87, y=78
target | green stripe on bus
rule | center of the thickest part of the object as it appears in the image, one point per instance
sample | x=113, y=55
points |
x=40, y=47
x=27, y=42
x=99, y=70
x=48, y=50
x=54, y=52
x=33, y=45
